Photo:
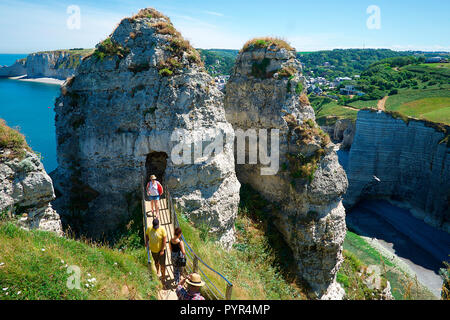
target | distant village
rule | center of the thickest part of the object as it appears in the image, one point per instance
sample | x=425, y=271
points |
x=319, y=85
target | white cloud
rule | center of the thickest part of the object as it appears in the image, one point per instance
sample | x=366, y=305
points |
x=213, y=13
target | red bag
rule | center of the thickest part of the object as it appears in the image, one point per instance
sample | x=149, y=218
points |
x=160, y=189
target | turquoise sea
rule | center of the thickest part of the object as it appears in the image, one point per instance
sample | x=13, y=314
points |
x=29, y=107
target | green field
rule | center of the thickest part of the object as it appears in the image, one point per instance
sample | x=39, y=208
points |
x=328, y=113
x=360, y=104
x=429, y=104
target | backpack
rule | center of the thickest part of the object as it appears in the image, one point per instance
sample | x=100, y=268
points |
x=160, y=189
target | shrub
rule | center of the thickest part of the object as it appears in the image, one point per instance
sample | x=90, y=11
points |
x=299, y=88
x=287, y=72
x=163, y=27
x=108, y=47
x=300, y=165
x=266, y=42
x=165, y=72
x=13, y=140
x=304, y=101
x=149, y=13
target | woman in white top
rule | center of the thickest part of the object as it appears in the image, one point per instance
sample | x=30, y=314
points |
x=154, y=191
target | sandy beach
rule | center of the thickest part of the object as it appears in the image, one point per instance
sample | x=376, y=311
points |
x=40, y=80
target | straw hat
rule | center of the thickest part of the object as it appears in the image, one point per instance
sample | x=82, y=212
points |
x=153, y=177
x=195, y=280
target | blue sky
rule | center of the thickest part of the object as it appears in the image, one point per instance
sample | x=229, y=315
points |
x=29, y=26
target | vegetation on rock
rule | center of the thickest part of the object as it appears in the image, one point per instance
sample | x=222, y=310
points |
x=260, y=265
x=109, y=48
x=266, y=42
x=305, y=165
x=13, y=141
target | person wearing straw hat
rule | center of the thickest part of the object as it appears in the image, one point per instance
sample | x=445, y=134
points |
x=195, y=283
x=154, y=192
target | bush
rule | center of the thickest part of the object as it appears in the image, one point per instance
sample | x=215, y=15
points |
x=110, y=48
x=165, y=72
x=12, y=140
x=393, y=92
x=287, y=72
x=304, y=101
x=266, y=42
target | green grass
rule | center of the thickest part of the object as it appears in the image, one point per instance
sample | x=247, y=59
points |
x=403, y=287
x=12, y=140
x=351, y=276
x=328, y=113
x=110, y=48
x=260, y=265
x=429, y=104
x=364, y=104
x=35, y=266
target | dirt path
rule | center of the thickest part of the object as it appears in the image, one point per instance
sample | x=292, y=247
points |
x=381, y=103
x=350, y=108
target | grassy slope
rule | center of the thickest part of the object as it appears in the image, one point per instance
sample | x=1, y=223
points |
x=259, y=265
x=35, y=264
x=332, y=109
x=402, y=285
x=360, y=104
x=432, y=104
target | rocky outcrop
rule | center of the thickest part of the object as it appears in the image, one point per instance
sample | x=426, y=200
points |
x=266, y=91
x=26, y=190
x=401, y=159
x=128, y=112
x=344, y=131
x=15, y=70
x=52, y=64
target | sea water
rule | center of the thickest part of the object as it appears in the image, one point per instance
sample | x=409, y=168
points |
x=28, y=106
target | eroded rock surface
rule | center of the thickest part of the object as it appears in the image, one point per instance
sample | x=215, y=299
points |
x=266, y=91
x=399, y=160
x=118, y=114
x=27, y=190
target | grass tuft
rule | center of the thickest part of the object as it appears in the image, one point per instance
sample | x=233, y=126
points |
x=13, y=141
x=266, y=42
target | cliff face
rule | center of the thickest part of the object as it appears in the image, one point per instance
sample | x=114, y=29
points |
x=115, y=122
x=391, y=158
x=53, y=64
x=17, y=69
x=58, y=64
x=265, y=91
x=27, y=190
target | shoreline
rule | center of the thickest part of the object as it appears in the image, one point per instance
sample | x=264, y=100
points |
x=39, y=80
